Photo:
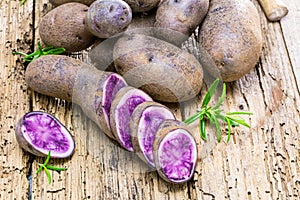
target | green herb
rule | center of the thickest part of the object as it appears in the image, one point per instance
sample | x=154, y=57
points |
x=40, y=52
x=47, y=167
x=22, y=2
x=214, y=114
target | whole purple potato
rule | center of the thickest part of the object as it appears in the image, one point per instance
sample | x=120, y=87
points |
x=164, y=71
x=60, y=2
x=107, y=18
x=64, y=27
x=142, y=5
x=183, y=16
x=231, y=33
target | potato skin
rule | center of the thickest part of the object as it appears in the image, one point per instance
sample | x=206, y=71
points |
x=142, y=5
x=183, y=15
x=161, y=69
x=231, y=34
x=108, y=18
x=60, y=2
x=142, y=20
x=64, y=27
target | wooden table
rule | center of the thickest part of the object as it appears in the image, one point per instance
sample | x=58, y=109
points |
x=258, y=163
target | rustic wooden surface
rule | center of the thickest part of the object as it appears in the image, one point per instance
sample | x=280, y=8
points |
x=258, y=163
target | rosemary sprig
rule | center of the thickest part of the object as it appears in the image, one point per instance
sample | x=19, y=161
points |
x=47, y=167
x=213, y=114
x=40, y=52
x=22, y=2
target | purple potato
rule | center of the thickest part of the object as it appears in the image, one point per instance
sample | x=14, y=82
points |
x=164, y=71
x=122, y=107
x=183, y=16
x=60, y=2
x=142, y=5
x=40, y=132
x=231, y=33
x=64, y=27
x=70, y=79
x=175, y=152
x=144, y=123
x=108, y=18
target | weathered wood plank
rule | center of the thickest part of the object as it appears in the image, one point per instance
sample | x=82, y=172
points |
x=290, y=29
x=258, y=163
x=15, y=34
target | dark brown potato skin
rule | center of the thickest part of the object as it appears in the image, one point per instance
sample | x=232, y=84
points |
x=60, y=2
x=161, y=69
x=142, y=20
x=231, y=34
x=64, y=27
x=142, y=5
x=70, y=79
x=182, y=15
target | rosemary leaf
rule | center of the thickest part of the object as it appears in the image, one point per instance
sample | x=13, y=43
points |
x=203, y=129
x=210, y=93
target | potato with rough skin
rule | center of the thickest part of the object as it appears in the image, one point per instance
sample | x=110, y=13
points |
x=142, y=5
x=183, y=16
x=64, y=27
x=70, y=79
x=108, y=18
x=164, y=71
x=231, y=33
x=142, y=20
x=60, y=2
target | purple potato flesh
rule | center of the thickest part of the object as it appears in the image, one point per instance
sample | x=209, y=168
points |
x=40, y=132
x=126, y=100
x=177, y=155
x=175, y=152
x=113, y=84
x=150, y=121
x=144, y=124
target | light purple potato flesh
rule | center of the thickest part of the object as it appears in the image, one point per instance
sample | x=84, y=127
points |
x=175, y=152
x=105, y=19
x=70, y=79
x=164, y=71
x=64, y=26
x=235, y=44
x=39, y=132
x=122, y=107
x=144, y=123
x=60, y=2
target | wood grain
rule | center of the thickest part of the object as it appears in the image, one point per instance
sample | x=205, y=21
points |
x=257, y=163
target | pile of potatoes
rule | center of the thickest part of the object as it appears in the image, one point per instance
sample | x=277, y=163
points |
x=144, y=48
x=145, y=38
